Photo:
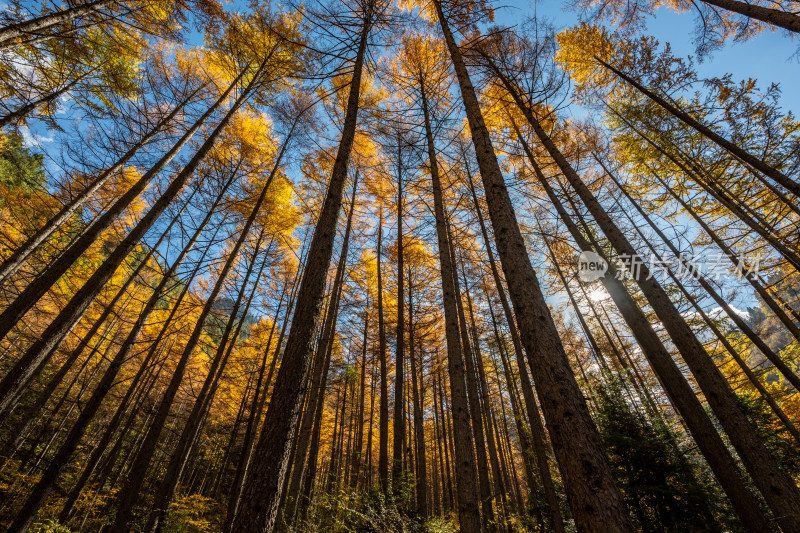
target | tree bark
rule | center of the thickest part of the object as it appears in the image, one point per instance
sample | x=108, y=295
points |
x=671, y=378
x=777, y=488
x=596, y=502
x=35, y=25
x=730, y=147
x=399, y=428
x=469, y=515
x=383, y=409
x=419, y=422
x=536, y=426
x=261, y=495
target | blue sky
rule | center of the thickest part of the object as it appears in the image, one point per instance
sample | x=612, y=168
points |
x=769, y=57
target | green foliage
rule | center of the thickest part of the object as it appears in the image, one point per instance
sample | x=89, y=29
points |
x=19, y=168
x=774, y=436
x=371, y=511
x=664, y=489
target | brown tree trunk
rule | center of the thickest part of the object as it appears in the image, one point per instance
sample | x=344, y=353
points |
x=672, y=380
x=34, y=26
x=596, y=502
x=383, y=410
x=475, y=405
x=399, y=379
x=357, y=458
x=316, y=393
x=130, y=491
x=419, y=422
x=777, y=488
x=730, y=147
x=261, y=494
x=536, y=434
x=465, y=472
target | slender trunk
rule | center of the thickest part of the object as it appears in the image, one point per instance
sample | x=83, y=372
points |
x=311, y=462
x=419, y=422
x=194, y=423
x=440, y=437
x=261, y=494
x=383, y=412
x=475, y=404
x=672, y=380
x=34, y=26
x=467, y=492
x=499, y=486
x=368, y=475
x=316, y=391
x=596, y=502
x=777, y=488
x=537, y=434
x=399, y=386
x=23, y=111
x=730, y=147
x=357, y=458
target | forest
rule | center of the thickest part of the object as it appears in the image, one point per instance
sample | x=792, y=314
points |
x=425, y=266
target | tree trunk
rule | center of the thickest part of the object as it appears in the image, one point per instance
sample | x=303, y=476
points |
x=537, y=427
x=33, y=26
x=777, y=488
x=475, y=406
x=398, y=444
x=194, y=423
x=419, y=422
x=596, y=502
x=316, y=392
x=357, y=458
x=672, y=380
x=383, y=410
x=261, y=494
x=714, y=137
x=467, y=493
x=90, y=408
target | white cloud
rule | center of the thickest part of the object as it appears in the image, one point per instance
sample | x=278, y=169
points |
x=32, y=140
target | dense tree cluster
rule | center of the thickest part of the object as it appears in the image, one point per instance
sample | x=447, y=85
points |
x=323, y=267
